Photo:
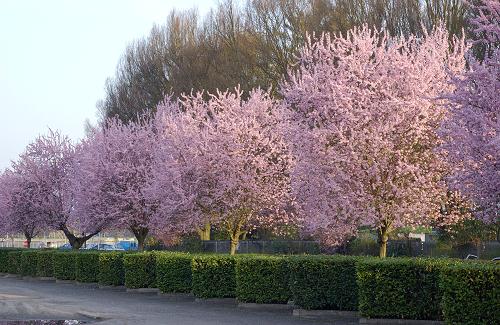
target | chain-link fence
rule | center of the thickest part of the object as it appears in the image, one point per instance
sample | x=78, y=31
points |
x=415, y=248
x=263, y=246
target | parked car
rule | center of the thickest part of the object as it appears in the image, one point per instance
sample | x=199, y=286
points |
x=65, y=246
x=471, y=257
x=101, y=247
x=126, y=245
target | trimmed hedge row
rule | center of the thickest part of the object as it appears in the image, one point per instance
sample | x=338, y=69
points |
x=262, y=279
x=87, y=267
x=140, y=270
x=173, y=272
x=111, y=269
x=28, y=263
x=400, y=288
x=214, y=276
x=403, y=288
x=65, y=265
x=471, y=293
x=5, y=260
x=14, y=260
x=324, y=282
x=45, y=263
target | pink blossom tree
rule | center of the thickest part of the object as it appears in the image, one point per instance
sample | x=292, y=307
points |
x=221, y=161
x=182, y=183
x=114, y=167
x=20, y=206
x=48, y=164
x=363, y=113
x=472, y=130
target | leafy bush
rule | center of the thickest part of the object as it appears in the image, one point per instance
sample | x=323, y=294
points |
x=65, y=265
x=324, y=282
x=87, y=267
x=28, y=262
x=214, y=276
x=4, y=259
x=45, y=263
x=140, y=270
x=111, y=270
x=173, y=272
x=471, y=293
x=14, y=262
x=262, y=279
x=400, y=288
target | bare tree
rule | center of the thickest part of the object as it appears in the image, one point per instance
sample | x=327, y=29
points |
x=253, y=45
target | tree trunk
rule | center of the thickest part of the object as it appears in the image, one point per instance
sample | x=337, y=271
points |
x=205, y=232
x=76, y=242
x=383, y=237
x=234, y=245
x=235, y=239
x=140, y=234
x=478, y=247
x=28, y=237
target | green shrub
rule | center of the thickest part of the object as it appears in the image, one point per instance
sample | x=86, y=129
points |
x=471, y=293
x=173, y=272
x=14, y=262
x=45, y=263
x=140, y=270
x=65, y=265
x=400, y=288
x=29, y=260
x=214, y=276
x=324, y=282
x=87, y=267
x=111, y=270
x=262, y=279
x=4, y=259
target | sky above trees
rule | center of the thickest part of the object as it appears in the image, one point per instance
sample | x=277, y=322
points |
x=56, y=56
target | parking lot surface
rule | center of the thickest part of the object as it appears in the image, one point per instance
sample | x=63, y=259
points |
x=34, y=299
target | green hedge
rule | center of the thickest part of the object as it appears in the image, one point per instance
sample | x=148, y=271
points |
x=45, y=263
x=65, y=265
x=324, y=282
x=140, y=270
x=173, y=272
x=87, y=267
x=111, y=270
x=14, y=262
x=400, y=288
x=4, y=259
x=214, y=276
x=262, y=279
x=29, y=261
x=471, y=293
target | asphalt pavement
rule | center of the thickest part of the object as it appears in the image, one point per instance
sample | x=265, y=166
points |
x=24, y=299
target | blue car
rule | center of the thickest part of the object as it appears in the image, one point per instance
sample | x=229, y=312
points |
x=65, y=246
x=127, y=245
x=102, y=247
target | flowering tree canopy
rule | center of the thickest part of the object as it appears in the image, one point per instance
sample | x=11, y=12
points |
x=472, y=130
x=363, y=116
x=221, y=161
x=114, y=167
x=48, y=163
x=20, y=206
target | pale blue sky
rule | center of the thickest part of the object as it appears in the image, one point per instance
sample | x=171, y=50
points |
x=55, y=56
